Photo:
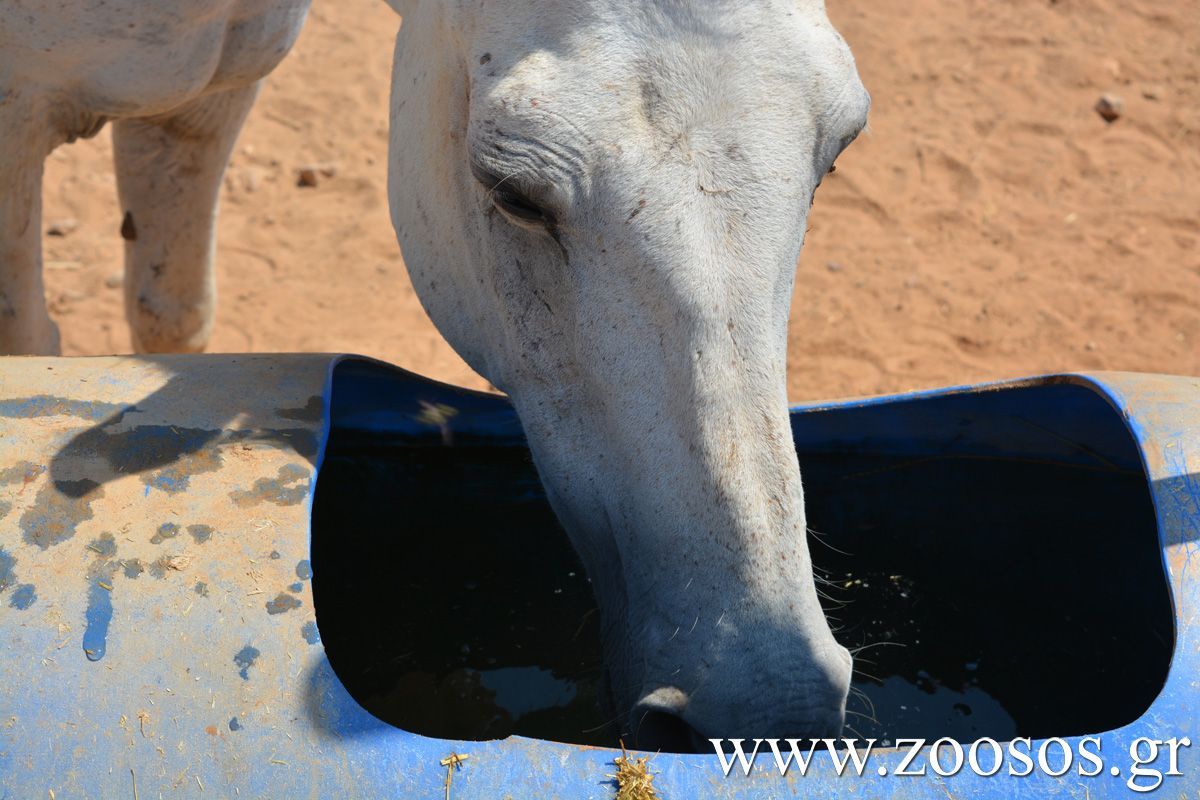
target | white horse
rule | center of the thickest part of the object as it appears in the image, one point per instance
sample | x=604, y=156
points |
x=177, y=78
x=601, y=204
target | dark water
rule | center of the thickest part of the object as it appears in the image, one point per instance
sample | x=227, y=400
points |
x=448, y=598
x=992, y=598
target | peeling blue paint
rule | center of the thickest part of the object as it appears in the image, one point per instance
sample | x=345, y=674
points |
x=105, y=545
x=282, y=603
x=7, y=569
x=313, y=410
x=200, y=533
x=296, y=587
x=179, y=453
x=47, y=405
x=24, y=596
x=98, y=615
x=304, y=569
x=22, y=472
x=57, y=510
x=287, y=489
x=310, y=633
x=245, y=659
x=160, y=566
x=168, y=530
x=167, y=456
x=234, y=725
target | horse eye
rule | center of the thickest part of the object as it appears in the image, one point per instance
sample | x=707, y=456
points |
x=509, y=200
x=520, y=208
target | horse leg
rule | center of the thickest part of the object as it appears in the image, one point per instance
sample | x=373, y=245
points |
x=25, y=141
x=169, y=171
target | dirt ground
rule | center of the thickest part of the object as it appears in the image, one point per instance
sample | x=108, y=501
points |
x=990, y=224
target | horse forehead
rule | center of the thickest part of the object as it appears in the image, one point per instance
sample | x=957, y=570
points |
x=561, y=18
x=623, y=66
x=652, y=79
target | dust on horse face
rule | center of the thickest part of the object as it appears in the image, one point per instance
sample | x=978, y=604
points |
x=601, y=205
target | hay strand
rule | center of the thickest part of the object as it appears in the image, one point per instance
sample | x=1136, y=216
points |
x=634, y=779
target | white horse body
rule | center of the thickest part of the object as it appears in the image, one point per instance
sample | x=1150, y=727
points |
x=177, y=78
x=601, y=204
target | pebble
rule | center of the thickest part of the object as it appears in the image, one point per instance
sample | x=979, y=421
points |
x=1110, y=107
x=114, y=280
x=62, y=227
x=310, y=174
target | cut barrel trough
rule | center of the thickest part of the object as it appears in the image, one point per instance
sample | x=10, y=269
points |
x=157, y=574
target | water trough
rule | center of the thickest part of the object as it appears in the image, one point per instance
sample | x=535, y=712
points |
x=1015, y=558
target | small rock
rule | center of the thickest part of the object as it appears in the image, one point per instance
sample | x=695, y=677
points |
x=1090, y=346
x=833, y=266
x=62, y=227
x=306, y=177
x=1154, y=92
x=309, y=174
x=1110, y=107
x=114, y=280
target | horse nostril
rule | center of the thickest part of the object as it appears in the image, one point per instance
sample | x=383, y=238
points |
x=663, y=731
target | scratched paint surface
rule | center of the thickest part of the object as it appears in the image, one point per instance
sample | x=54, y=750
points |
x=135, y=579
x=156, y=619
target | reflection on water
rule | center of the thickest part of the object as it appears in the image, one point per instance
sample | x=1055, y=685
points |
x=522, y=690
x=967, y=715
x=988, y=598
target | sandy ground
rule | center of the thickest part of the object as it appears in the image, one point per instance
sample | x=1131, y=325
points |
x=990, y=224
